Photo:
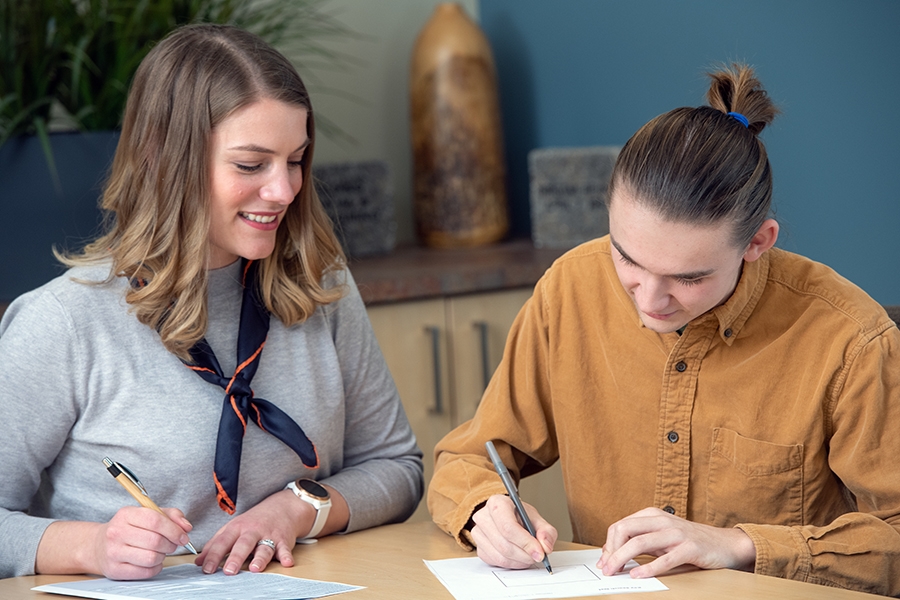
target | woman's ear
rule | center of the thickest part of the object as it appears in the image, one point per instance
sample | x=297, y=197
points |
x=764, y=238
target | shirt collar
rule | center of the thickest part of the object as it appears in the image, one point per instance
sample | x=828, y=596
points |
x=737, y=309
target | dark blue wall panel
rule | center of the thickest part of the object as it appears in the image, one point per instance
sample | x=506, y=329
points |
x=590, y=72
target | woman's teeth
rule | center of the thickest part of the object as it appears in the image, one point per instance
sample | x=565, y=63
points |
x=258, y=218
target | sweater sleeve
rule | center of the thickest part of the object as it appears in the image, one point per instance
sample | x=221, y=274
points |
x=40, y=357
x=859, y=550
x=382, y=475
x=515, y=412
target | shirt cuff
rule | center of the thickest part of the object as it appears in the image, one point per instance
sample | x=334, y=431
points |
x=459, y=519
x=781, y=551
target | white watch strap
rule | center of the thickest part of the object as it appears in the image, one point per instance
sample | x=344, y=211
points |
x=322, y=511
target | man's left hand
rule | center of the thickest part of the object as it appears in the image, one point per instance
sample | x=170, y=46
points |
x=675, y=541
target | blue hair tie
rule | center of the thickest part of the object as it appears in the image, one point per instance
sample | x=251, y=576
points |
x=740, y=118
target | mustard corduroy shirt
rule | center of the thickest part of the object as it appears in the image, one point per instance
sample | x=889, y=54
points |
x=777, y=412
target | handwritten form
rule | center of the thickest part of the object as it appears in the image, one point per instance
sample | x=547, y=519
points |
x=189, y=581
x=574, y=574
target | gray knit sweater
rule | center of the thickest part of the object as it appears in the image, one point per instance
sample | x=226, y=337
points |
x=81, y=379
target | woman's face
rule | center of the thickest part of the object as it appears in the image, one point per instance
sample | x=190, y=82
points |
x=674, y=272
x=256, y=172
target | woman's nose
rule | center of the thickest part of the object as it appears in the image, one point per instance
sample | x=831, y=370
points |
x=281, y=187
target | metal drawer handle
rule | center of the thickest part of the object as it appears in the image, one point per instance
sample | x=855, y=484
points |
x=482, y=328
x=435, y=332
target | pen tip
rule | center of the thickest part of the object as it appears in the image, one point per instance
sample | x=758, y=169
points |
x=190, y=547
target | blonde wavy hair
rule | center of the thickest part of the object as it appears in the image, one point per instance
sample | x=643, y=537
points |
x=157, y=194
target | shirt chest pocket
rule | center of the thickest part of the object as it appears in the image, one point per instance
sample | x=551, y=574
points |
x=752, y=481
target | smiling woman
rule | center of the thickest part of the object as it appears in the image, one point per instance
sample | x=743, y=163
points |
x=257, y=171
x=221, y=82
x=218, y=249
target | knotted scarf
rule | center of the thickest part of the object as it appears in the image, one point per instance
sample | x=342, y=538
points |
x=239, y=403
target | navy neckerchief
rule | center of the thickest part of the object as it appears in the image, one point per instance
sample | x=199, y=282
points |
x=239, y=402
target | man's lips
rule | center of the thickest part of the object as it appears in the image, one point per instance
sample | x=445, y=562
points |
x=658, y=316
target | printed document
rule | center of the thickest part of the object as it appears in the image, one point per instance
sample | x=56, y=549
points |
x=189, y=581
x=574, y=574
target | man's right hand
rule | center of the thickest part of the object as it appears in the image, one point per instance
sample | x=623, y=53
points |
x=501, y=539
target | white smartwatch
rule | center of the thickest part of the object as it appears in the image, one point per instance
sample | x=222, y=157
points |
x=312, y=493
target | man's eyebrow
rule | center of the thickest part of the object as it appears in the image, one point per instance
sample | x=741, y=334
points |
x=261, y=150
x=689, y=275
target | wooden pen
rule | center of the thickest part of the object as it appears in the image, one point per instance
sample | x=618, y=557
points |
x=134, y=487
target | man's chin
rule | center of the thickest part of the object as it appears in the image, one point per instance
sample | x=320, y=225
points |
x=661, y=325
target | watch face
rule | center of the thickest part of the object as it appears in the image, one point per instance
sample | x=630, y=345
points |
x=313, y=488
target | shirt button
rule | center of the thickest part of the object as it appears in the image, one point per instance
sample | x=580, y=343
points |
x=728, y=332
x=669, y=510
x=672, y=436
x=681, y=366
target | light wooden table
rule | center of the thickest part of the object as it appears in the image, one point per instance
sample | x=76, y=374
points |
x=388, y=562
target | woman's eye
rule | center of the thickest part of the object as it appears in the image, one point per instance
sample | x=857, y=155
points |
x=690, y=282
x=247, y=168
x=296, y=163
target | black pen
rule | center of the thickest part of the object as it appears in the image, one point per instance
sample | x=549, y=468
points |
x=503, y=472
x=134, y=487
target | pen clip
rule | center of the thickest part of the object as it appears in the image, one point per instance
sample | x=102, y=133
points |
x=134, y=478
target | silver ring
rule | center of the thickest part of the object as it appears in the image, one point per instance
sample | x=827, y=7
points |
x=266, y=542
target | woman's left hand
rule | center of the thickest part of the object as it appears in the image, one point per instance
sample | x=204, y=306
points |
x=280, y=518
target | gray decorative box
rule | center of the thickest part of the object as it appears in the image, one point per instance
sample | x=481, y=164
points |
x=359, y=198
x=568, y=194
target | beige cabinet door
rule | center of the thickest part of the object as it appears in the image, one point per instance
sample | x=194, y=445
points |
x=412, y=336
x=478, y=326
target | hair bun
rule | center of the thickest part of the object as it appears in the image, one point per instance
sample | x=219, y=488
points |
x=736, y=89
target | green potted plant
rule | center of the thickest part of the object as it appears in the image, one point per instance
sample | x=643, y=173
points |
x=65, y=67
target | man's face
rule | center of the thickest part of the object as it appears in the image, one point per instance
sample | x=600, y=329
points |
x=674, y=272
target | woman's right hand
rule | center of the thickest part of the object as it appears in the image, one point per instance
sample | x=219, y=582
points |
x=503, y=542
x=132, y=545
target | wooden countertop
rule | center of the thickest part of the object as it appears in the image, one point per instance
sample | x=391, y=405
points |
x=415, y=272
x=387, y=560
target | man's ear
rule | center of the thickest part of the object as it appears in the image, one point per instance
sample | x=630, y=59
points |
x=764, y=238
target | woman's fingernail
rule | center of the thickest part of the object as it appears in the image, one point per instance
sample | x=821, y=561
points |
x=209, y=567
x=230, y=569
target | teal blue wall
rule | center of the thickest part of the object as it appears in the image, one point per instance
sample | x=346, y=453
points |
x=590, y=72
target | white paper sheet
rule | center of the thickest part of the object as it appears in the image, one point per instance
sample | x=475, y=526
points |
x=189, y=581
x=574, y=574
